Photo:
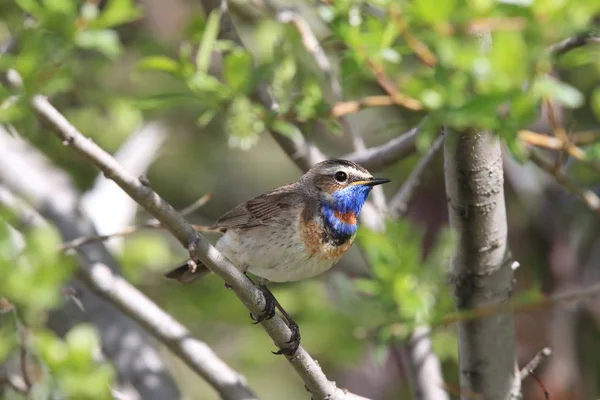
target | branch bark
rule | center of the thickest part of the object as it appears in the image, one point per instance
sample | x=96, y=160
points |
x=379, y=157
x=400, y=201
x=307, y=368
x=481, y=270
x=109, y=208
x=123, y=342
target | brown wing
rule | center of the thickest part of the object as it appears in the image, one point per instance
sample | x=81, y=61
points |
x=261, y=209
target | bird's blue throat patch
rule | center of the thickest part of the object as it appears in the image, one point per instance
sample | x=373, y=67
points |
x=340, y=214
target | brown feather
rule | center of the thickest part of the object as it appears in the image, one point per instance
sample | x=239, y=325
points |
x=261, y=209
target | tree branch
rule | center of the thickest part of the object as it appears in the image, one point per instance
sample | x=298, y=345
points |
x=571, y=43
x=400, y=201
x=99, y=272
x=128, y=230
x=589, y=198
x=313, y=47
x=306, y=367
x=534, y=363
x=378, y=157
x=109, y=208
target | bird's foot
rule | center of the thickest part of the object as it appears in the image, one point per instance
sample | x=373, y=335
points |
x=269, y=312
x=270, y=302
x=294, y=341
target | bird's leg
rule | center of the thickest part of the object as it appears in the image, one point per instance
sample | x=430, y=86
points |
x=270, y=303
x=294, y=341
x=269, y=312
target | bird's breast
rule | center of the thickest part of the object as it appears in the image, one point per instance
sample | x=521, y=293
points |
x=321, y=242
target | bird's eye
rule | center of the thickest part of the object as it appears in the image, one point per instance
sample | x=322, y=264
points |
x=341, y=176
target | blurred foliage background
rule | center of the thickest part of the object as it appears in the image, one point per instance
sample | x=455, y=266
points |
x=112, y=67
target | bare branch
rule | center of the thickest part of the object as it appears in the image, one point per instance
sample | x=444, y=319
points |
x=98, y=270
x=313, y=47
x=419, y=48
x=400, y=201
x=522, y=306
x=308, y=369
x=535, y=362
x=195, y=353
x=23, y=357
x=109, y=208
x=378, y=157
x=343, y=108
x=571, y=43
x=150, y=224
x=591, y=199
x=561, y=143
x=390, y=87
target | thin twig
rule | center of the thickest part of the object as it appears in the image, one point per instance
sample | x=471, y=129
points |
x=390, y=87
x=542, y=386
x=516, y=306
x=535, y=362
x=313, y=47
x=378, y=157
x=571, y=43
x=400, y=201
x=311, y=373
x=541, y=140
x=583, y=138
x=591, y=199
x=556, y=143
x=419, y=48
x=23, y=358
x=349, y=107
x=150, y=224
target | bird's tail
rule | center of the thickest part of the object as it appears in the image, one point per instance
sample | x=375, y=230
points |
x=184, y=274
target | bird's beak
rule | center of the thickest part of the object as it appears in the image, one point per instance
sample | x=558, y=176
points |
x=372, y=182
x=377, y=181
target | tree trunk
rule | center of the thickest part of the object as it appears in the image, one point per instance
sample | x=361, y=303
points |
x=481, y=271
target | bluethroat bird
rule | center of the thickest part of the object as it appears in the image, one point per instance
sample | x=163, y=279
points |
x=293, y=232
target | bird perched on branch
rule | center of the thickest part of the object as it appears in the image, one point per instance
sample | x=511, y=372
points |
x=293, y=232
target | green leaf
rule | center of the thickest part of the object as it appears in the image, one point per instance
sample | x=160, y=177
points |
x=159, y=63
x=565, y=94
x=238, y=69
x=103, y=40
x=208, y=41
x=117, y=12
x=284, y=128
x=243, y=123
x=434, y=11
x=209, y=89
x=164, y=100
x=60, y=6
x=206, y=117
x=595, y=102
x=31, y=7
x=82, y=341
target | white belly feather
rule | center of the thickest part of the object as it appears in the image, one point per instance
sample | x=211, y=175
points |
x=275, y=253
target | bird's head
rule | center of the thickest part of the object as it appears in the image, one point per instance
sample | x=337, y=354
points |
x=342, y=188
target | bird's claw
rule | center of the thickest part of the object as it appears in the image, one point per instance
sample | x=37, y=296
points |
x=294, y=341
x=269, y=311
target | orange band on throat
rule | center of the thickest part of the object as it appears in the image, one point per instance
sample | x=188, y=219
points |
x=348, y=218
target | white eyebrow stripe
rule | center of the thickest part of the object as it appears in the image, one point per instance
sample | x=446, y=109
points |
x=349, y=170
